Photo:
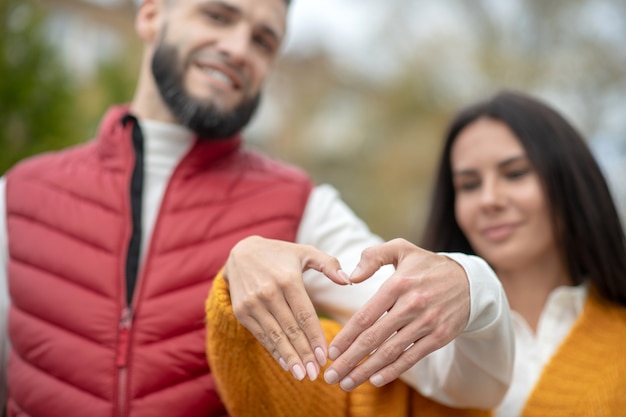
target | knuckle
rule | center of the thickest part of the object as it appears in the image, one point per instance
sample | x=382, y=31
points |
x=440, y=335
x=389, y=352
x=304, y=317
x=329, y=265
x=369, y=252
x=402, y=284
x=417, y=301
x=262, y=338
x=363, y=318
x=266, y=293
x=284, y=282
x=370, y=339
x=401, y=242
x=293, y=331
x=408, y=359
x=244, y=307
x=292, y=359
x=346, y=364
x=276, y=337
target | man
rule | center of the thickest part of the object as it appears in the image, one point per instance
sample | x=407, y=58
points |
x=109, y=248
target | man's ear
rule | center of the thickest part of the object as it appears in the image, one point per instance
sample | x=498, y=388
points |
x=148, y=20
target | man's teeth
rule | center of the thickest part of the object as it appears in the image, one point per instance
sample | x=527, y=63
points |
x=219, y=75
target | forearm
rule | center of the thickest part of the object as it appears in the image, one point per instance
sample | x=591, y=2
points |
x=4, y=294
x=475, y=369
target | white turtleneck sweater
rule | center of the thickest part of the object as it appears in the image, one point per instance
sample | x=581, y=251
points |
x=332, y=227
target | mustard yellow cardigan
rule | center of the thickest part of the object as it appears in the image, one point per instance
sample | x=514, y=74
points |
x=586, y=377
x=252, y=384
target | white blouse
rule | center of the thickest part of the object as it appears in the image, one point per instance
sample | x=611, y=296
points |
x=533, y=351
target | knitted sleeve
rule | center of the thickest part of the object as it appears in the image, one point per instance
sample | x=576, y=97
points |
x=251, y=383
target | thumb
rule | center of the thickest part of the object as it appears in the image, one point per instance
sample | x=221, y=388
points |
x=372, y=259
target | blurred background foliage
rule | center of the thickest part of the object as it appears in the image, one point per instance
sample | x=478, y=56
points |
x=367, y=118
x=37, y=97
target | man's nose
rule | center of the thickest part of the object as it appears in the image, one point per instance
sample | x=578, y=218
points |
x=236, y=44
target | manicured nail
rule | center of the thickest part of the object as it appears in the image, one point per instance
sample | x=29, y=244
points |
x=333, y=353
x=344, y=276
x=377, y=380
x=347, y=384
x=311, y=371
x=283, y=364
x=356, y=271
x=331, y=376
x=320, y=356
x=298, y=372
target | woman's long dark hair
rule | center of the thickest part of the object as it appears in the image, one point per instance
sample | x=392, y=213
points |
x=587, y=226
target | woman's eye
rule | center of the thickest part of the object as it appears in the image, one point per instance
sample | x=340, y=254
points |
x=517, y=173
x=467, y=185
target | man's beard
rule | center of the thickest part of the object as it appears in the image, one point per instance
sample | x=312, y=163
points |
x=201, y=116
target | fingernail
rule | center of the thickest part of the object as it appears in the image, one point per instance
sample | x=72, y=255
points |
x=311, y=371
x=344, y=276
x=333, y=353
x=377, y=380
x=356, y=271
x=331, y=376
x=283, y=364
x=347, y=384
x=298, y=372
x=320, y=356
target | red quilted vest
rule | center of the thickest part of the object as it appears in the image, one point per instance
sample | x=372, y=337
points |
x=78, y=347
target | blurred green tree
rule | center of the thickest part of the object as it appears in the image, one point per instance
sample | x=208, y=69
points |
x=37, y=96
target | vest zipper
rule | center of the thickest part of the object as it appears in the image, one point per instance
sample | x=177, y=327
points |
x=126, y=323
x=132, y=268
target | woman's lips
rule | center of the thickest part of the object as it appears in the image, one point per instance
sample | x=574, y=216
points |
x=499, y=232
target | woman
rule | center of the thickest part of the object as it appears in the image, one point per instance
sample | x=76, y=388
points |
x=518, y=186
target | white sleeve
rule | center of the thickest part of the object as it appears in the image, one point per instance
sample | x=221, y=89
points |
x=329, y=225
x=4, y=293
x=474, y=370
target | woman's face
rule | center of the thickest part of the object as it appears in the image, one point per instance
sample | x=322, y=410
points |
x=500, y=204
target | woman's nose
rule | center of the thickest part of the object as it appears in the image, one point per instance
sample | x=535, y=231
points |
x=492, y=194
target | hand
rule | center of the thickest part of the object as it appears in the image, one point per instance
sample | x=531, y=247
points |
x=419, y=309
x=269, y=299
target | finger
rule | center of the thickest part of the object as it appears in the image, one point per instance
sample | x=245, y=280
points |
x=261, y=334
x=388, y=253
x=383, y=332
x=363, y=319
x=273, y=331
x=363, y=333
x=388, y=353
x=313, y=258
x=405, y=361
x=302, y=327
x=265, y=341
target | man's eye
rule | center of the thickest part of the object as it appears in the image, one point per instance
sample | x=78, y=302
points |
x=265, y=44
x=217, y=16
